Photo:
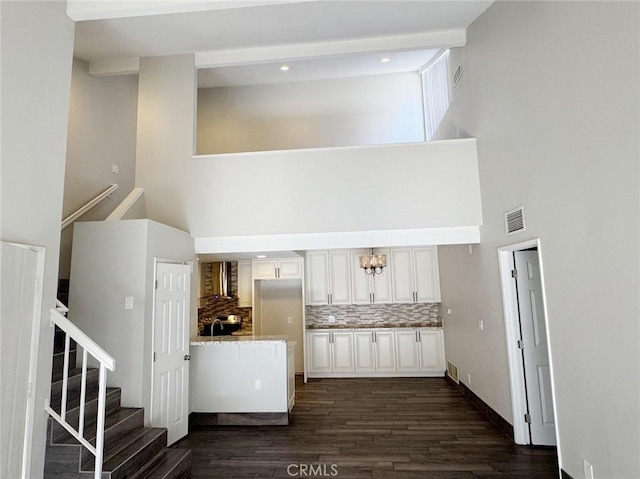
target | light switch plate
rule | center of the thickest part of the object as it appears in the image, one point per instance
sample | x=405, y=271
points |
x=258, y=384
x=128, y=302
x=332, y=319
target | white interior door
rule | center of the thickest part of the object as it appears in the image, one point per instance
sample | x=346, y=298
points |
x=170, y=401
x=536, y=350
x=20, y=310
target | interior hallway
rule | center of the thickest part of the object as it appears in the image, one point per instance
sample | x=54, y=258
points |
x=370, y=428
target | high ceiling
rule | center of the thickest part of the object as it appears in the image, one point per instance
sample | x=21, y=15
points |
x=250, y=38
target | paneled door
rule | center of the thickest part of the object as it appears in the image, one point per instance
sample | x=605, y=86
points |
x=170, y=388
x=536, y=351
x=22, y=272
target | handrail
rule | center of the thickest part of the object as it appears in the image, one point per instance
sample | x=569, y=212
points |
x=106, y=362
x=61, y=307
x=82, y=339
x=126, y=204
x=90, y=204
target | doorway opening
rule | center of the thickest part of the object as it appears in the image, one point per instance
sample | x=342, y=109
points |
x=529, y=355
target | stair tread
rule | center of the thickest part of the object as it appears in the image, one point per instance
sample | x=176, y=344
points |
x=116, y=456
x=112, y=400
x=162, y=464
x=110, y=420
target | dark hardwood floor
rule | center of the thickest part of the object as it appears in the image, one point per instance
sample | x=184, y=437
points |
x=370, y=428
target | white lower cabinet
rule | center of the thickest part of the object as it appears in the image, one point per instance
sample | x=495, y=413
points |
x=330, y=352
x=420, y=350
x=376, y=352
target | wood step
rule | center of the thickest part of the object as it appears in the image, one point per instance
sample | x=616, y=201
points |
x=113, y=396
x=130, y=454
x=73, y=388
x=58, y=364
x=118, y=427
x=167, y=464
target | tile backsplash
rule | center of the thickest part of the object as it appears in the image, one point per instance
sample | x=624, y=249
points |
x=372, y=314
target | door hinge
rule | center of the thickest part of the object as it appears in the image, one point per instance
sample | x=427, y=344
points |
x=29, y=390
x=37, y=285
x=514, y=273
x=520, y=344
x=527, y=418
x=154, y=356
x=156, y=284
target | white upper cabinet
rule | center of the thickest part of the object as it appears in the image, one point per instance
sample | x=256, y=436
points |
x=366, y=289
x=245, y=284
x=328, y=277
x=289, y=268
x=415, y=275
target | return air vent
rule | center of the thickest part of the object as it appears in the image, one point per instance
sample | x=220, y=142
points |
x=452, y=371
x=514, y=220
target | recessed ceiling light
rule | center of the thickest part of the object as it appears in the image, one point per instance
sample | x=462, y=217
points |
x=385, y=60
x=261, y=256
x=284, y=68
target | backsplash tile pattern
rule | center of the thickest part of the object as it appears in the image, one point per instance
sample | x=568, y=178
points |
x=211, y=306
x=372, y=314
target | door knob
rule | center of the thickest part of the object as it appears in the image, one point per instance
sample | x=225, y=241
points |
x=187, y=357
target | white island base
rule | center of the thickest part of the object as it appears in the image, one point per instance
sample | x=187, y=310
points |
x=239, y=380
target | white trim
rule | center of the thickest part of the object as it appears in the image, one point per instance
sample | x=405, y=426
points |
x=104, y=68
x=301, y=51
x=33, y=358
x=336, y=240
x=126, y=204
x=511, y=323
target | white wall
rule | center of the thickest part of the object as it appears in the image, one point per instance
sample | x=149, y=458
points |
x=224, y=375
x=165, y=137
x=312, y=191
x=550, y=90
x=36, y=37
x=112, y=260
x=416, y=185
x=324, y=113
x=102, y=132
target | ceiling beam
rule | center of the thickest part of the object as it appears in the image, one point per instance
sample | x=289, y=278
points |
x=84, y=10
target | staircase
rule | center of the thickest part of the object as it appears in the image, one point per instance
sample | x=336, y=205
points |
x=131, y=451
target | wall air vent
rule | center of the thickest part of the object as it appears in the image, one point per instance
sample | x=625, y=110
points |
x=452, y=371
x=514, y=221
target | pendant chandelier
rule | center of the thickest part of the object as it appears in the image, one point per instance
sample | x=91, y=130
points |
x=373, y=264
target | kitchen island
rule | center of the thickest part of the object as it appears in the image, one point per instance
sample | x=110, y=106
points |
x=242, y=379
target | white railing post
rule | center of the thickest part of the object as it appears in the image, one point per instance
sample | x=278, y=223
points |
x=106, y=363
x=102, y=392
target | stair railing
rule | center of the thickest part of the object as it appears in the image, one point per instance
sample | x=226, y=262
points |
x=106, y=362
x=90, y=204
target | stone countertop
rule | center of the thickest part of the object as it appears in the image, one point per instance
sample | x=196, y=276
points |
x=210, y=340
x=373, y=325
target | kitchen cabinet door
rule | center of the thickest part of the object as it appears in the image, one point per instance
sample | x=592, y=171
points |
x=340, y=277
x=407, y=350
x=277, y=268
x=431, y=345
x=401, y=264
x=290, y=268
x=364, y=351
x=360, y=282
x=317, y=277
x=427, y=281
x=367, y=289
x=385, y=351
x=264, y=268
x=342, y=351
x=245, y=284
x=319, y=354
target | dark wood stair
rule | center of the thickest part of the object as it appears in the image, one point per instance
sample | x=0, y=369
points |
x=132, y=451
